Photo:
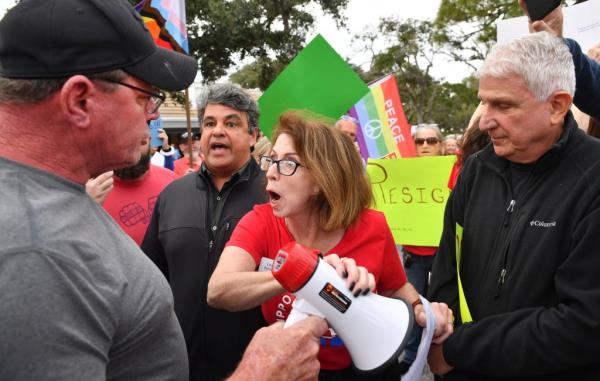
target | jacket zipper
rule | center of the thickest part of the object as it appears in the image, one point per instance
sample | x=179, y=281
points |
x=501, y=277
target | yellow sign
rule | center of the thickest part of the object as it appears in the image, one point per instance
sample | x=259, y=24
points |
x=412, y=193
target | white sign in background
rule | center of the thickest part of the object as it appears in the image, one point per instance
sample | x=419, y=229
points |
x=581, y=23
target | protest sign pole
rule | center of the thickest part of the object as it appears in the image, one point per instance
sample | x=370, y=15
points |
x=189, y=127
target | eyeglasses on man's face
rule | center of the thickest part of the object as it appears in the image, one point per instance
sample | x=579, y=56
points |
x=285, y=167
x=154, y=101
x=430, y=141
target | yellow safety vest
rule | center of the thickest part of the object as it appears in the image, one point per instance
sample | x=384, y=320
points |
x=465, y=314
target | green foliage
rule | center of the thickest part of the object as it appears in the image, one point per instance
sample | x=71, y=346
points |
x=467, y=29
x=454, y=105
x=411, y=48
x=222, y=33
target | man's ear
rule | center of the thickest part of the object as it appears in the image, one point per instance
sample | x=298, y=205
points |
x=75, y=100
x=254, y=140
x=560, y=103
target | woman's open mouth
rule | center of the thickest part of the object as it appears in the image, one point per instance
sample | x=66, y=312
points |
x=274, y=196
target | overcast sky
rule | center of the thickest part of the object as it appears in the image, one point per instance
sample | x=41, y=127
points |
x=4, y=5
x=365, y=14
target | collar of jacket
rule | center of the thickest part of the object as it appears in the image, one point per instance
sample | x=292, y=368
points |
x=546, y=161
x=248, y=170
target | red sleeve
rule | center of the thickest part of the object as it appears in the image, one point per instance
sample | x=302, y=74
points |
x=250, y=234
x=392, y=274
x=454, y=175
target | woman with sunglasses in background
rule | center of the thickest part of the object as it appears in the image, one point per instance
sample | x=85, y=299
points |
x=319, y=197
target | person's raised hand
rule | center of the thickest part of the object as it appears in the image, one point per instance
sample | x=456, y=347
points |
x=552, y=23
x=594, y=52
x=358, y=279
x=277, y=354
x=99, y=187
x=162, y=135
x=444, y=320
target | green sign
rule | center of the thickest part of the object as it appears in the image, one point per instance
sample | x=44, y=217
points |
x=412, y=192
x=318, y=79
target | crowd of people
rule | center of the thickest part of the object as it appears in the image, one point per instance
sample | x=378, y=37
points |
x=121, y=261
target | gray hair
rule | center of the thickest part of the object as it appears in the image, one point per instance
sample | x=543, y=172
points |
x=451, y=136
x=348, y=118
x=430, y=126
x=541, y=59
x=18, y=90
x=230, y=95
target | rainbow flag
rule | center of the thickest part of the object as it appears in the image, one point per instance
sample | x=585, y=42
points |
x=166, y=21
x=384, y=131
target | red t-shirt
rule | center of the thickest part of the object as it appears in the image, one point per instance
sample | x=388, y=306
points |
x=180, y=166
x=131, y=202
x=426, y=251
x=454, y=175
x=369, y=242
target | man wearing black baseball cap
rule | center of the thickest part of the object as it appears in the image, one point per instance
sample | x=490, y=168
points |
x=79, y=81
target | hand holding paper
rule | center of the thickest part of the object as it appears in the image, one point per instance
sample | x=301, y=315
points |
x=436, y=316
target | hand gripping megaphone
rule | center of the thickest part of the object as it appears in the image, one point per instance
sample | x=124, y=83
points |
x=374, y=328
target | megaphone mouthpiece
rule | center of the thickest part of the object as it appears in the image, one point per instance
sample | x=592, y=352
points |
x=294, y=265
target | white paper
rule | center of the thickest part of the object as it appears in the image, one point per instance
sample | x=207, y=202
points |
x=265, y=264
x=581, y=23
x=301, y=309
x=415, y=372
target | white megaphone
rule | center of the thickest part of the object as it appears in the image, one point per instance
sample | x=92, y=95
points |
x=375, y=329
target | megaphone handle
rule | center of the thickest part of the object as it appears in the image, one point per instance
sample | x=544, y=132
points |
x=301, y=309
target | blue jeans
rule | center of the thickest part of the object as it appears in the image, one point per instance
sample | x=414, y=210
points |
x=417, y=271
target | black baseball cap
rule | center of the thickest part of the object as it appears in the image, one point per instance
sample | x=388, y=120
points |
x=58, y=38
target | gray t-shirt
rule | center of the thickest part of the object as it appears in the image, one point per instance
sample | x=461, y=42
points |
x=78, y=299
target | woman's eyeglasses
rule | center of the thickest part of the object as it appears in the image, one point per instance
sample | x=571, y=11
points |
x=430, y=141
x=285, y=167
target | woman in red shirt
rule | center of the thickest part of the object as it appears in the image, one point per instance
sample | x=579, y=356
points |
x=319, y=197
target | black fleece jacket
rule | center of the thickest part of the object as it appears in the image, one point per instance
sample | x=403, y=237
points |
x=529, y=268
x=182, y=242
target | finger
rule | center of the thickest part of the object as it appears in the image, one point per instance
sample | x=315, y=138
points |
x=420, y=315
x=541, y=26
x=441, y=318
x=277, y=325
x=106, y=175
x=440, y=339
x=107, y=184
x=314, y=325
x=108, y=190
x=444, y=321
x=352, y=271
x=363, y=281
x=371, y=284
x=335, y=261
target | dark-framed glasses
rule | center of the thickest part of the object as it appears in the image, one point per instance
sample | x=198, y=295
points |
x=285, y=167
x=155, y=100
x=430, y=141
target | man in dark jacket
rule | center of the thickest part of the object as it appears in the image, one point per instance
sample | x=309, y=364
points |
x=518, y=258
x=193, y=219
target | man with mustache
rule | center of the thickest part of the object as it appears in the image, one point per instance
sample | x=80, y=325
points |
x=193, y=219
